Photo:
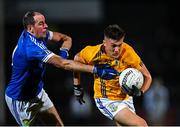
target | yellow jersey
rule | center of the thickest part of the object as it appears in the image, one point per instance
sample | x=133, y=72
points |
x=110, y=88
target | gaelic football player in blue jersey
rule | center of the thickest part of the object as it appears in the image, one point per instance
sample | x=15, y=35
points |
x=25, y=96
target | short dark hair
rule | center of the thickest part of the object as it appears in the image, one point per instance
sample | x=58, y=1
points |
x=114, y=32
x=28, y=19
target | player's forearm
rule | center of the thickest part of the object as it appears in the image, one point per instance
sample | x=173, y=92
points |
x=69, y=64
x=76, y=66
x=67, y=42
x=147, y=78
x=147, y=83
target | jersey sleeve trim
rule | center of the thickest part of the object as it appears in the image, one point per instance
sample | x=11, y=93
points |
x=46, y=58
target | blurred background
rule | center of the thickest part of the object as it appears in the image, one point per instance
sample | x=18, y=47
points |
x=151, y=28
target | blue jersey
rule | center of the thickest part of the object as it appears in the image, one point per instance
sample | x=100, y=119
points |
x=28, y=67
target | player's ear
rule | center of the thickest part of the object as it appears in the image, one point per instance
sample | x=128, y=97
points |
x=30, y=28
x=104, y=42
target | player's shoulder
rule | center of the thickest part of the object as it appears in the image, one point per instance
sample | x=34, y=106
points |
x=89, y=52
x=127, y=46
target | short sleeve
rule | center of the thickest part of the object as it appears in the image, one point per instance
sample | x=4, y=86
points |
x=132, y=58
x=85, y=54
x=88, y=53
x=38, y=51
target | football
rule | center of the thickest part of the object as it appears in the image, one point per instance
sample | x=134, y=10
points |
x=131, y=76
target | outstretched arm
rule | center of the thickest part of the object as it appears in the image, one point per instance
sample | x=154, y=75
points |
x=69, y=64
x=102, y=71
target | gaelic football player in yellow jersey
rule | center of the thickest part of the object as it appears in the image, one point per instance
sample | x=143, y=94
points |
x=109, y=97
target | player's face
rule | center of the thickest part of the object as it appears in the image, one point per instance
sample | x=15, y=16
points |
x=39, y=29
x=112, y=47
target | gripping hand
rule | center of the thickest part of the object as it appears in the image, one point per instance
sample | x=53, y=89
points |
x=132, y=92
x=105, y=71
x=136, y=92
x=64, y=53
x=79, y=93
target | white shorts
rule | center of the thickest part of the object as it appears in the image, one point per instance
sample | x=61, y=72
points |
x=111, y=107
x=25, y=111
